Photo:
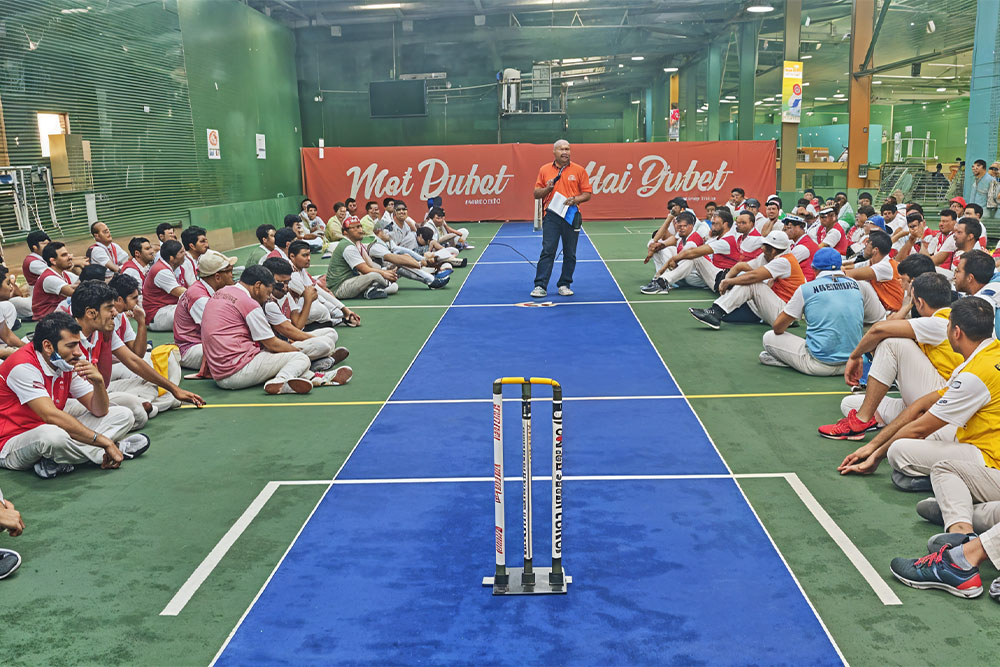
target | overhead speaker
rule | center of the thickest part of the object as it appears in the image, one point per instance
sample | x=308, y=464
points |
x=915, y=69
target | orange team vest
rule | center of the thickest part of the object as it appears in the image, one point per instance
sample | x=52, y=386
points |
x=890, y=292
x=983, y=428
x=785, y=287
x=941, y=356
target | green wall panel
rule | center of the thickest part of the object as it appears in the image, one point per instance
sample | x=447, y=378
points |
x=246, y=215
x=104, y=68
x=241, y=77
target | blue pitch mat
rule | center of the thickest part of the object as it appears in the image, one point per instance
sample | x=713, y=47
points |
x=673, y=571
x=600, y=438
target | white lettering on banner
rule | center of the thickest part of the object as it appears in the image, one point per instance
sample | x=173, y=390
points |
x=451, y=184
x=610, y=184
x=657, y=177
x=437, y=179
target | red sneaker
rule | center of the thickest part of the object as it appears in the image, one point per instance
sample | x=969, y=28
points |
x=849, y=428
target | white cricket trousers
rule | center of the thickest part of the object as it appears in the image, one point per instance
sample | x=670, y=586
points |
x=51, y=442
x=268, y=366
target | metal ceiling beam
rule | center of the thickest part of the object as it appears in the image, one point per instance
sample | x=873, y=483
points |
x=915, y=59
x=878, y=28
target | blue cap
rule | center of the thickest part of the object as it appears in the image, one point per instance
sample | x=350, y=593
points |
x=878, y=221
x=827, y=259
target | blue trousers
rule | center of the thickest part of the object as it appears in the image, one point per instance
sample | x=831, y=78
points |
x=553, y=229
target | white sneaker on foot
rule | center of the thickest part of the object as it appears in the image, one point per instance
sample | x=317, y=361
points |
x=768, y=359
x=538, y=292
x=564, y=290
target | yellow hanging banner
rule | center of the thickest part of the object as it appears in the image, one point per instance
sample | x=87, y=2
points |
x=791, y=92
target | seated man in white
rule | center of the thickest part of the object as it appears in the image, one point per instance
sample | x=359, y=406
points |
x=162, y=287
x=104, y=251
x=35, y=384
x=215, y=271
x=765, y=283
x=323, y=307
x=682, y=238
x=912, y=353
x=321, y=345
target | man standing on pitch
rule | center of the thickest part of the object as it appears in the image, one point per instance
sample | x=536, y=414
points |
x=571, y=181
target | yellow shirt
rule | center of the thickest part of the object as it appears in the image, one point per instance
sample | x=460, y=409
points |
x=944, y=359
x=971, y=401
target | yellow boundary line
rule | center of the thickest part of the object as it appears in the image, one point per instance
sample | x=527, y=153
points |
x=318, y=404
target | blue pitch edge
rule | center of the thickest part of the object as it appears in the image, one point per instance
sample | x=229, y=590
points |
x=665, y=571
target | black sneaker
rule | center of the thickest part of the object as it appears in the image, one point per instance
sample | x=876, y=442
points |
x=947, y=540
x=47, y=468
x=929, y=510
x=134, y=445
x=655, y=286
x=937, y=571
x=706, y=316
x=907, y=483
x=439, y=282
x=9, y=562
x=375, y=292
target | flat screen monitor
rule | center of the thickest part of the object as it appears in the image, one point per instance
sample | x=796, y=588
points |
x=397, y=99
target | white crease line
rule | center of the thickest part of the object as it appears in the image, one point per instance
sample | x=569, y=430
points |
x=559, y=261
x=882, y=590
x=205, y=568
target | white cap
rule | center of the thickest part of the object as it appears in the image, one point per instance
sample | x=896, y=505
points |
x=777, y=239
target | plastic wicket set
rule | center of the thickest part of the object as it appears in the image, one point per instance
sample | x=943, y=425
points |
x=528, y=580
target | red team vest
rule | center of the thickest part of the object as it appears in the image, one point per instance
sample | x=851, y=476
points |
x=43, y=303
x=15, y=418
x=807, y=264
x=845, y=242
x=154, y=298
x=112, y=251
x=693, y=237
x=747, y=256
x=727, y=261
x=26, y=268
x=132, y=264
x=948, y=263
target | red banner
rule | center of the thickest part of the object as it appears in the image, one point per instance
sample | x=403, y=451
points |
x=495, y=182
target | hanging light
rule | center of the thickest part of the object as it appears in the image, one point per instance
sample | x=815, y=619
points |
x=760, y=8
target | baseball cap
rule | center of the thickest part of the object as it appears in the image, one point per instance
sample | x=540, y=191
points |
x=960, y=200
x=753, y=202
x=878, y=221
x=827, y=259
x=777, y=239
x=826, y=210
x=791, y=217
x=350, y=221
x=212, y=262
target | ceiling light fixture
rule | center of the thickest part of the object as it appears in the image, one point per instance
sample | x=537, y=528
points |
x=669, y=69
x=931, y=27
x=941, y=90
x=638, y=57
x=805, y=57
x=760, y=8
x=808, y=21
x=383, y=5
x=821, y=99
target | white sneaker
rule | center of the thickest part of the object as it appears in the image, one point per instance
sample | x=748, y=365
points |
x=335, y=378
x=538, y=293
x=9, y=562
x=768, y=359
x=564, y=290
